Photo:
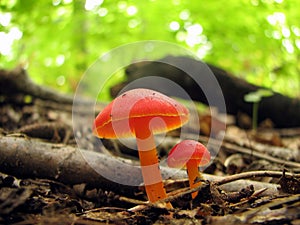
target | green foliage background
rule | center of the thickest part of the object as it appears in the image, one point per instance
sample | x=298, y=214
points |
x=58, y=40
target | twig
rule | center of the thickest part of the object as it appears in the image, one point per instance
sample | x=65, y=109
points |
x=246, y=200
x=132, y=201
x=234, y=148
x=181, y=193
x=46, y=130
x=253, y=174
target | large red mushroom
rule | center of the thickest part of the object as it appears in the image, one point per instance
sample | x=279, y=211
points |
x=141, y=113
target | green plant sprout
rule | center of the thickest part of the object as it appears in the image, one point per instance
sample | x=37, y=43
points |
x=255, y=97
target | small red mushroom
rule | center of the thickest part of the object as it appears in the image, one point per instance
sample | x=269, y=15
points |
x=189, y=154
x=141, y=113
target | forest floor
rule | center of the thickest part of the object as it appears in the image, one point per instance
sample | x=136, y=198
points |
x=267, y=162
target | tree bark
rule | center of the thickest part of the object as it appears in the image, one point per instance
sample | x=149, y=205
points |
x=28, y=158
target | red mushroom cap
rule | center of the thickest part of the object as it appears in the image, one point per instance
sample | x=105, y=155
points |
x=144, y=106
x=188, y=150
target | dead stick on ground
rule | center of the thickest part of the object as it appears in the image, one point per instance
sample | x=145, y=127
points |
x=31, y=158
x=234, y=148
x=253, y=174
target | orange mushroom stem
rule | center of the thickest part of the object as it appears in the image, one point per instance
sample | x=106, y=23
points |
x=141, y=113
x=189, y=154
x=149, y=164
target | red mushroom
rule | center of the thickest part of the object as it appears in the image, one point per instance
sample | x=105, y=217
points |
x=141, y=113
x=189, y=154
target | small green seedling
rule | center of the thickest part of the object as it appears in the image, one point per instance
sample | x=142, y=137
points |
x=255, y=97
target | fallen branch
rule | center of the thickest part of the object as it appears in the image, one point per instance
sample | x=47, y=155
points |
x=17, y=81
x=25, y=158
